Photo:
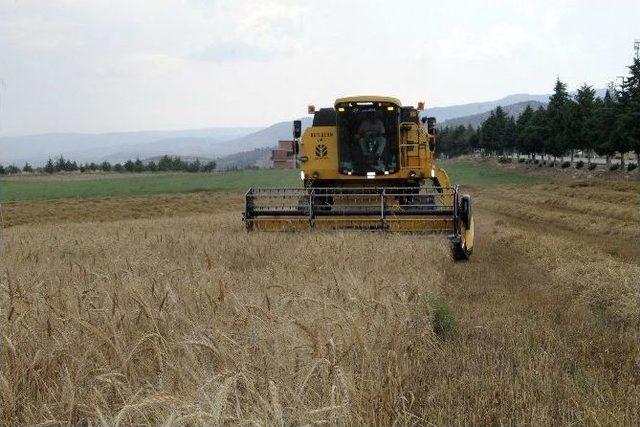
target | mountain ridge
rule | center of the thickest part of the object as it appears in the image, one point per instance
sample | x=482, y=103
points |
x=215, y=142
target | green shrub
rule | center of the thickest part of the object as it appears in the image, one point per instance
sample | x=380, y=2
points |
x=614, y=167
x=592, y=166
x=580, y=164
x=521, y=160
x=551, y=164
x=565, y=165
x=631, y=167
x=536, y=161
x=444, y=320
x=505, y=160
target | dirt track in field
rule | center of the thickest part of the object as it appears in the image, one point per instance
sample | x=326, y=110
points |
x=329, y=327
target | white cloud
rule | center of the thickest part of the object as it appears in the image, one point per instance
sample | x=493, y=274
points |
x=39, y=34
x=497, y=42
x=94, y=65
x=253, y=30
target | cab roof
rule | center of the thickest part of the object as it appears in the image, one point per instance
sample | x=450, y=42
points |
x=369, y=98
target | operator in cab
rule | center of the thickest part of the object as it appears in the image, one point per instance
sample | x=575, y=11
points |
x=371, y=137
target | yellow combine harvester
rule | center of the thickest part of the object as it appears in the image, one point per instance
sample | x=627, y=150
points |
x=367, y=164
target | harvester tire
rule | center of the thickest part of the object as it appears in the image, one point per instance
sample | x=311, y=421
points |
x=465, y=210
x=459, y=254
x=461, y=249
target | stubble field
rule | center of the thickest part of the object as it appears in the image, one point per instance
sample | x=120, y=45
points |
x=163, y=310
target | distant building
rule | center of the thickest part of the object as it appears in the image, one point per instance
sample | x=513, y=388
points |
x=283, y=156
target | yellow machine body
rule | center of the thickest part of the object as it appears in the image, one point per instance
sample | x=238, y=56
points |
x=319, y=149
x=351, y=183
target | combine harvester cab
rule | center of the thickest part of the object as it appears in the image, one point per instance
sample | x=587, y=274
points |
x=366, y=164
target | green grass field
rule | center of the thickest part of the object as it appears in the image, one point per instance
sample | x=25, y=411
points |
x=479, y=173
x=124, y=185
x=55, y=187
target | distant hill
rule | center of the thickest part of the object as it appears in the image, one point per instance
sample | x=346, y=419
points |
x=454, y=111
x=117, y=146
x=475, y=120
x=258, y=145
x=267, y=137
x=463, y=110
x=156, y=159
x=259, y=157
x=203, y=143
x=255, y=149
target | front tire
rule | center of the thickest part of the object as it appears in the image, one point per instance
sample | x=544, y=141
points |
x=463, y=242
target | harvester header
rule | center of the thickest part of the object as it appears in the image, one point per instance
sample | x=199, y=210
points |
x=368, y=163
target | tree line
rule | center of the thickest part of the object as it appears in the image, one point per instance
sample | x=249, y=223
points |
x=165, y=164
x=583, y=122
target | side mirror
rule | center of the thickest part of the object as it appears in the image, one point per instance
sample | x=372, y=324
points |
x=297, y=129
x=431, y=124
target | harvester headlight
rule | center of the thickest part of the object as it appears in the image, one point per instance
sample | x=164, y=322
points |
x=386, y=172
x=341, y=109
x=389, y=108
x=302, y=175
x=371, y=175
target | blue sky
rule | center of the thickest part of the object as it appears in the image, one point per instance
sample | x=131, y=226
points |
x=96, y=66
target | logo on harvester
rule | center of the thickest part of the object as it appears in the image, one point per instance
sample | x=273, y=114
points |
x=321, y=151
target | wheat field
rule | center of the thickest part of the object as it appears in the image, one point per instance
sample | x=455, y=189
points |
x=180, y=317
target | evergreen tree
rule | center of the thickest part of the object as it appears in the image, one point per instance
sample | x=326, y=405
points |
x=209, y=166
x=152, y=166
x=12, y=169
x=538, y=131
x=585, y=118
x=138, y=166
x=606, y=111
x=27, y=168
x=492, y=132
x=50, y=166
x=193, y=166
x=522, y=127
x=60, y=164
x=105, y=167
x=509, y=135
x=498, y=132
x=129, y=166
x=3, y=171
x=177, y=164
x=558, y=117
x=118, y=168
x=630, y=111
x=571, y=130
x=165, y=163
